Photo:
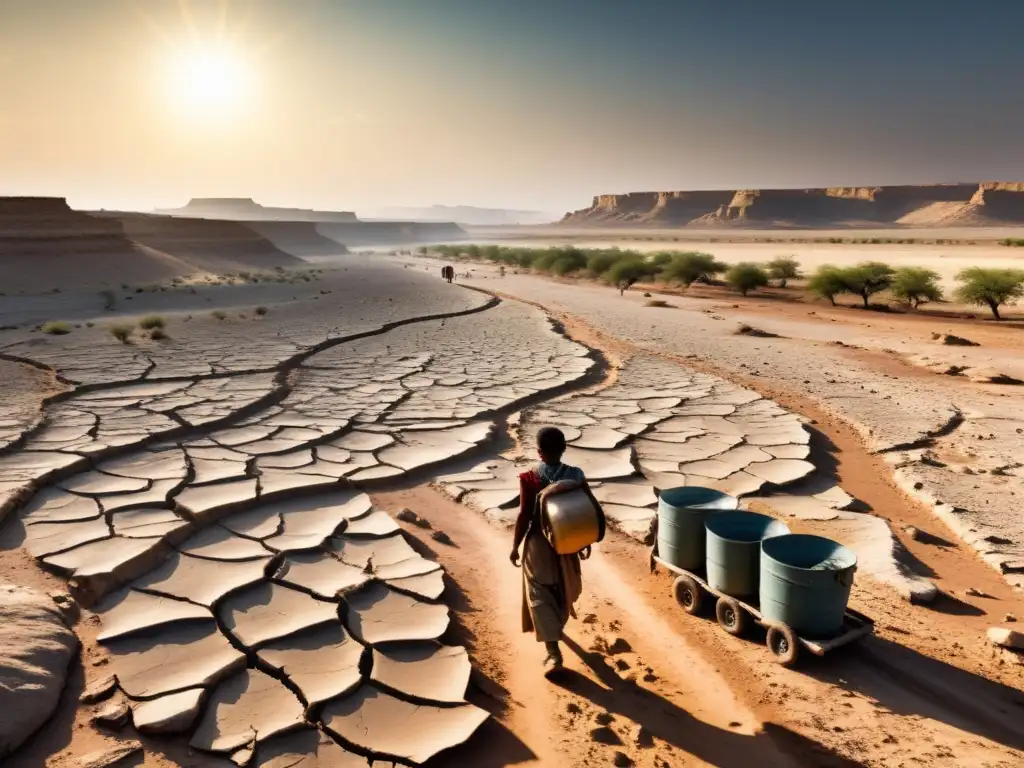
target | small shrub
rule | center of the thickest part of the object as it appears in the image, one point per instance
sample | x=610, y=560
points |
x=746, y=276
x=158, y=334
x=56, y=328
x=916, y=285
x=121, y=331
x=630, y=271
x=218, y=314
x=1013, y=242
x=691, y=267
x=990, y=287
x=260, y=311
x=90, y=324
x=149, y=322
x=783, y=269
x=827, y=282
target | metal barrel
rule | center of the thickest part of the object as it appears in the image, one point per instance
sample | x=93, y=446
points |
x=681, y=515
x=805, y=583
x=733, y=542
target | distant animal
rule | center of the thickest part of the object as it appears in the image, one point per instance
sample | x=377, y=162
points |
x=501, y=271
x=448, y=273
x=625, y=285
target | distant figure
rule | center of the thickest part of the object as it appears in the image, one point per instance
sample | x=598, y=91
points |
x=625, y=285
x=448, y=273
x=501, y=271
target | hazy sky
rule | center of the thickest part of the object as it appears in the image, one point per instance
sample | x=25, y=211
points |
x=521, y=103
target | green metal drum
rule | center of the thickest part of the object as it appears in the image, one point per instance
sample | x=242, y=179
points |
x=733, y=546
x=681, y=515
x=805, y=583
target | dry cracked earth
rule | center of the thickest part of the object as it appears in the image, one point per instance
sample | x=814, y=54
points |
x=206, y=499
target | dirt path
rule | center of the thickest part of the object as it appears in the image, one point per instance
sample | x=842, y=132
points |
x=634, y=684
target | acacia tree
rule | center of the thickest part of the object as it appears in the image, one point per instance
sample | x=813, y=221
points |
x=783, y=269
x=629, y=271
x=916, y=285
x=867, y=279
x=688, y=268
x=991, y=287
x=746, y=276
x=827, y=282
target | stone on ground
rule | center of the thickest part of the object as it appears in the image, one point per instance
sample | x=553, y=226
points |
x=37, y=647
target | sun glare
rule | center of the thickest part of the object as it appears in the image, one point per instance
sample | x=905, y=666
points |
x=209, y=82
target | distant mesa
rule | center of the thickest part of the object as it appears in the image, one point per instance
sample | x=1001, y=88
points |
x=28, y=224
x=47, y=245
x=246, y=209
x=990, y=203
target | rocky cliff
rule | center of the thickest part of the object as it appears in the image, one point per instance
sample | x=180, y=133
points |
x=247, y=209
x=46, y=224
x=206, y=244
x=973, y=204
x=334, y=226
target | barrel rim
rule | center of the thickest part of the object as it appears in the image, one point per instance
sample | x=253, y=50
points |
x=712, y=495
x=770, y=542
x=711, y=522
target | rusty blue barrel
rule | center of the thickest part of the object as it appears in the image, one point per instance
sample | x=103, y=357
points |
x=733, y=545
x=681, y=515
x=805, y=583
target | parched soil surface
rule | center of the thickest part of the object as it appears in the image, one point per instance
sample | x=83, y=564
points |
x=644, y=679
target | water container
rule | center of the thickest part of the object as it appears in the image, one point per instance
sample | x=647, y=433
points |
x=734, y=550
x=805, y=583
x=681, y=515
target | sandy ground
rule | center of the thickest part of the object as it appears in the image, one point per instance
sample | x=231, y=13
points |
x=927, y=690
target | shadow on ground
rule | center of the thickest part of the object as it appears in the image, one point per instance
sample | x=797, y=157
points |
x=901, y=680
x=674, y=725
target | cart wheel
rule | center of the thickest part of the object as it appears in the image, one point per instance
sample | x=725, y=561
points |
x=688, y=594
x=783, y=644
x=731, y=616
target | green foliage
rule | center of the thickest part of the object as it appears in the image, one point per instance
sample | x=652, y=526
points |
x=149, y=322
x=746, y=276
x=783, y=269
x=630, y=271
x=867, y=278
x=661, y=258
x=121, y=331
x=57, y=328
x=692, y=266
x=827, y=282
x=565, y=261
x=915, y=285
x=599, y=262
x=1013, y=242
x=991, y=287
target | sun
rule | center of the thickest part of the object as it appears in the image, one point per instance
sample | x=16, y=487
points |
x=209, y=82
